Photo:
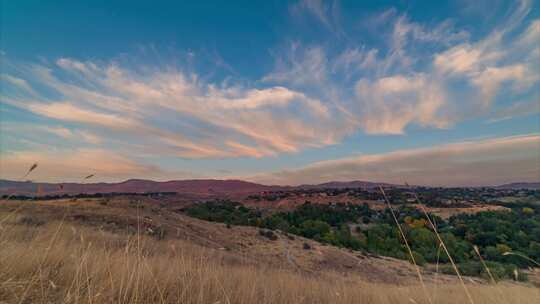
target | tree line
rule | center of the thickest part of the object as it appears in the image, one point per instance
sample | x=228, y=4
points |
x=358, y=227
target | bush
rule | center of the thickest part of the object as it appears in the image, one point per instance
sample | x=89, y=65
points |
x=522, y=276
x=467, y=268
x=269, y=234
x=494, y=232
x=314, y=229
x=420, y=260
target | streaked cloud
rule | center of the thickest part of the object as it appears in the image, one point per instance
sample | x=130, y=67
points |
x=73, y=165
x=300, y=66
x=390, y=103
x=384, y=91
x=471, y=163
x=408, y=75
x=517, y=109
x=41, y=133
x=69, y=112
x=326, y=13
x=158, y=107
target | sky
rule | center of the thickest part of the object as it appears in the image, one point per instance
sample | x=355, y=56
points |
x=278, y=92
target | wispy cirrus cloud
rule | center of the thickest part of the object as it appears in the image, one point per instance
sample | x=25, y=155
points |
x=69, y=134
x=497, y=62
x=409, y=74
x=41, y=133
x=432, y=76
x=326, y=13
x=171, y=109
x=389, y=104
x=299, y=67
x=517, y=109
x=314, y=97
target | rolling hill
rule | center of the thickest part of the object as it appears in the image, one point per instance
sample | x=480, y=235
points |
x=192, y=186
x=202, y=187
x=516, y=186
x=195, y=186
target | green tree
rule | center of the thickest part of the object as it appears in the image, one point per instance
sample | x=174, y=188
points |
x=314, y=229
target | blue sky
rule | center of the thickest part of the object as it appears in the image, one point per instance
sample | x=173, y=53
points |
x=276, y=92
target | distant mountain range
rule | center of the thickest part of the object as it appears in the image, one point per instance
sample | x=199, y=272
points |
x=195, y=187
x=514, y=186
x=202, y=186
x=343, y=185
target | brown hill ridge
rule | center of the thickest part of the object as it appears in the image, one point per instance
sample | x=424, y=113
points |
x=195, y=186
x=202, y=186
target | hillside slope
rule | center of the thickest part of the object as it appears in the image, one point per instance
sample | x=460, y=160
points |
x=201, y=187
x=517, y=186
x=131, y=250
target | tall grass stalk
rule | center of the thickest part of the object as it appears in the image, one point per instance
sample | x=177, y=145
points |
x=89, y=265
x=437, y=272
x=522, y=256
x=477, y=251
x=418, y=272
x=469, y=297
x=32, y=168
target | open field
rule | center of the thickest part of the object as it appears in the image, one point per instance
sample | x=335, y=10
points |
x=293, y=201
x=446, y=213
x=96, y=251
x=239, y=244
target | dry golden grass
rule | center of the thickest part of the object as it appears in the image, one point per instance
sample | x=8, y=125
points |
x=411, y=255
x=443, y=245
x=60, y=263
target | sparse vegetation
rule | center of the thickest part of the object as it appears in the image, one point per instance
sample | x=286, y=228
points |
x=89, y=257
x=494, y=232
x=64, y=263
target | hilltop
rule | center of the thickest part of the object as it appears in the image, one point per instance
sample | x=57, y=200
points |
x=198, y=187
x=515, y=186
x=203, y=187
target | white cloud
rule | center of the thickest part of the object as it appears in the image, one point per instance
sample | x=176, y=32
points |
x=355, y=59
x=17, y=82
x=300, y=66
x=389, y=104
x=171, y=110
x=459, y=59
x=502, y=63
x=498, y=65
x=474, y=163
x=517, y=109
x=325, y=12
x=317, y=8
x=58, y=131
x=37, y=134
x=490, y=80
x=429, y=75
x=70, y=112
x=408, y=35
x=89, y=137
x=531, y=36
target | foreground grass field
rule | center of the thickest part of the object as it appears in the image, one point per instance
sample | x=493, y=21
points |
x=59, y=262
